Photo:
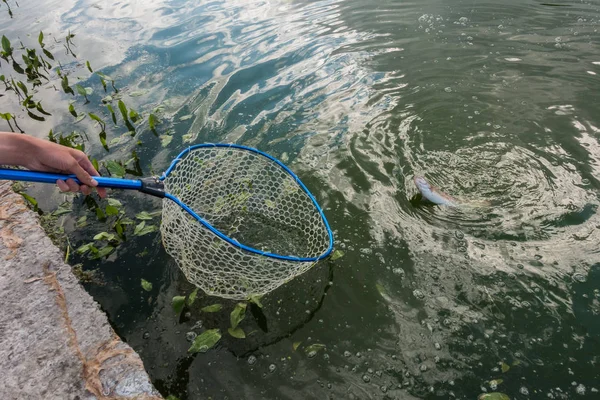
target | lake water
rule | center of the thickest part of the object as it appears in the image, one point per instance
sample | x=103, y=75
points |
x=496, y=103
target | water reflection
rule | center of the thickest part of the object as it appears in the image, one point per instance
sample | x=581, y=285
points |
x=492, y=102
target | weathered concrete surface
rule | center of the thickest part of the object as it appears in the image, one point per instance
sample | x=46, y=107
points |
x=55, y=342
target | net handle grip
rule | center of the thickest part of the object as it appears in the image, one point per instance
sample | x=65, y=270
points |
x=49, y=177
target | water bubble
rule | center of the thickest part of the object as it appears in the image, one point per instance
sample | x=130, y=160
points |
x=358, y=355
x=383, y=388
x=251, y=360
x=437, y=346
x=190, y=336
x=197, y=325
x=347, y=354
x=448, y=89
x=272, y=368
x=398, y=271
x=311, y=353
x=463, y=20
x=459, y=235
x=524, y=391
x=366, y=378
x=520, y=266
x=146, y=335
x=579, y=277
x=580, y=389
x=423, y=367
x=418, y=294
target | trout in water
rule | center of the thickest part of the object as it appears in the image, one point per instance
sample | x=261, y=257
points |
x=433, y=194
x=436, y=196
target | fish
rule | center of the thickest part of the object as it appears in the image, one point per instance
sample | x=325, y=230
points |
x=433, y=194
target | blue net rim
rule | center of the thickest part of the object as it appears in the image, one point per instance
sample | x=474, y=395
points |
x=231, y=241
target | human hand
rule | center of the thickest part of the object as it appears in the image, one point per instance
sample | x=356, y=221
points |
x=41, y=155
x=52, y=157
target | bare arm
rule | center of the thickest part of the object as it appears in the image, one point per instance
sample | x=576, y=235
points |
x=41, y=155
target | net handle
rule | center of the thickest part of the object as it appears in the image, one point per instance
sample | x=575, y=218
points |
x=148, y=185
x=230, y=240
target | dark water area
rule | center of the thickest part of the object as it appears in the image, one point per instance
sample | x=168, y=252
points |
x=496, y=103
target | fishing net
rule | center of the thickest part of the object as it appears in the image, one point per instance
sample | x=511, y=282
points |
x=262, y=227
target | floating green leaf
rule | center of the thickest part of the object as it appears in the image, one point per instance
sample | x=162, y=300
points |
x=123, y=109
x=100, y=214
x=205, y=341
x=112, y=114
x=192, y=297
x=115, y=168
x=111, y=210
x=65, y=85
x=80, y=118
x=6, y=45
x=105, y=236
x=114, y=202
x=237, y=315
x=138, y=93
x=152, y=120
x=141, y=229
x=80, y=89
x=165, y=140
x=178, y=302
x=85, y=248
x=505, y=367
x=147, y=286
x=314, y=348
x=143, y=216
x=89, y=67
x=97, y=119
x=103, y=252
x=493, y=396
x=337, y=254
x=133, y=115
x=72, y=110
x=255, y=298
x=295, y=345
x=186, y=117
x=212, y=308
x=81, y=222
x=171, y=397
x=62, y=209
x=237, y=333
x=41, y=39
x=187, y=137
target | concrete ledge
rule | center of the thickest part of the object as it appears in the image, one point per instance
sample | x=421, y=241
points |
x=55, y=342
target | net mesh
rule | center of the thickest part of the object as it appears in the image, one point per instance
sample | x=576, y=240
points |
x=254, y=201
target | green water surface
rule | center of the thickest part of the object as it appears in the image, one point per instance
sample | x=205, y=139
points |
x=495, y=102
